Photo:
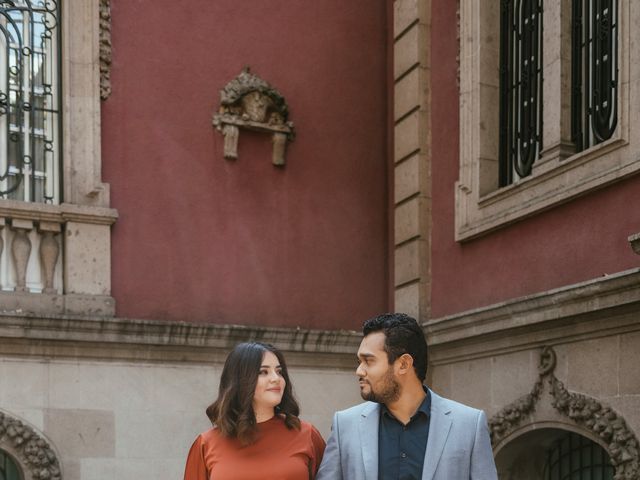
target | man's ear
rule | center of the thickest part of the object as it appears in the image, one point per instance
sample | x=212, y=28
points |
x=405, y=363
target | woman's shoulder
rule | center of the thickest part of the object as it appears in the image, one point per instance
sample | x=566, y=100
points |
x=209, y=436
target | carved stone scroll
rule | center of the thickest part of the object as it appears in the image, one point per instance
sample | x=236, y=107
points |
x=586, y=413
x=105, y=49
x=248, y=102
x=33, y=452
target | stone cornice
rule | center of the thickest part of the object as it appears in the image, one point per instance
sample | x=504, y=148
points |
x=117, y=338
x=509, y=324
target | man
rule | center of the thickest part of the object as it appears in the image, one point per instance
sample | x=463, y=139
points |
x=404, y=431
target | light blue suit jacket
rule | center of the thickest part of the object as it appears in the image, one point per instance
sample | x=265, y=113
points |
x=458, y=447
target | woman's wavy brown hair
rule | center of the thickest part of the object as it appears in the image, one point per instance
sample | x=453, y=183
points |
x=232, y=412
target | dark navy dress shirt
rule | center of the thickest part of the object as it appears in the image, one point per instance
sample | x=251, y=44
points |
x=401, y=448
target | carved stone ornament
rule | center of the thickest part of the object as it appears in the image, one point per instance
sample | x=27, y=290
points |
x=105, y=49
x=249, y=102
x=32, y=451
x=585, y=413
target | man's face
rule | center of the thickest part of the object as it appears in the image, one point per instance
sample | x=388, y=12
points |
x=376, y=376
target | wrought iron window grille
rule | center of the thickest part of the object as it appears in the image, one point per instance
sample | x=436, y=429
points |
x=30, y=109
x=594, y=70
x=521, y=82
x=575, y=457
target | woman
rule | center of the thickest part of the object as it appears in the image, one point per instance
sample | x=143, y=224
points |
x=256, y=432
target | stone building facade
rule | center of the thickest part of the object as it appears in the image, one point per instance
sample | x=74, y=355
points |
x=364, y=177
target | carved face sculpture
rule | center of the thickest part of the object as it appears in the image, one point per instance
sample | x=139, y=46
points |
x=255, y=106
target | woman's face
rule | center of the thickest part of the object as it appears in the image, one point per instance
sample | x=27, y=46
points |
x=270, y=385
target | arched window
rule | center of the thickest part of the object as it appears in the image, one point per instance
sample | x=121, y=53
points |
x=8, y=468
x=553, y=454
x=574, y=457
x=30, y=100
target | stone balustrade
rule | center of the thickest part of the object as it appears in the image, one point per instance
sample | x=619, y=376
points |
x=30, y=255
x=54, y=259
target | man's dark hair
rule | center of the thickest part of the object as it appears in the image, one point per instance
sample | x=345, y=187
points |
x=402, y=335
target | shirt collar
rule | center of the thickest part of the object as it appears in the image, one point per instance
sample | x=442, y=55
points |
x=424, y=408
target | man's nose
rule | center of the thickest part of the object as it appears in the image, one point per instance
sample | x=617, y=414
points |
x=360, y=371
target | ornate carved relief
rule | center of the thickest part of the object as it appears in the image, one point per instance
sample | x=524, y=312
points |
x=105, y=49
x=249, y=102
x=32, y=451
x=584, y=412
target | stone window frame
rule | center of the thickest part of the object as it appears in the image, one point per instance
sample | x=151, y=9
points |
x=559, y=175
x=82, y=222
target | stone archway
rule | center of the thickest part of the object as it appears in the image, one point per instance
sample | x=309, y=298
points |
x=34, y=454
x=549, y=452
x=551, y=405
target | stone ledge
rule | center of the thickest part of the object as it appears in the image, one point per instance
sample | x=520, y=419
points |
x=65, y=212
x=148, y=340
x=27, y=303
x=612, y=295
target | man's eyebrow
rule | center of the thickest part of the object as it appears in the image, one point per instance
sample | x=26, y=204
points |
x=366, y=355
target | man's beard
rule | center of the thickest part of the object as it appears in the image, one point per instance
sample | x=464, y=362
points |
x=388, y=390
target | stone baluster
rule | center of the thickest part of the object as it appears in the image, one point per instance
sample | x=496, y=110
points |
x=20, y=251
x=49, y=252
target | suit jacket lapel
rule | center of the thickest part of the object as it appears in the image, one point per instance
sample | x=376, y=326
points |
x=439, y=426
x=369, y=423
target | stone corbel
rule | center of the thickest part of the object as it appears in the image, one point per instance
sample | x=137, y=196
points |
x=248, y=102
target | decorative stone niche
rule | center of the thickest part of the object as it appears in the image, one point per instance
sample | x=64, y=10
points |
x=248, y=102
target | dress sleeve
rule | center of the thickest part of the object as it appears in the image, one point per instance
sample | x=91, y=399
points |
x=317, y=450
x=196, y=469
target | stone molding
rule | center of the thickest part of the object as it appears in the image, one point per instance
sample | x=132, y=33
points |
x=62, y=213
x=587, y=414
x=480, y=206
x=34, y=454
x=105, y=49
x=147, y=340
x=544, y=317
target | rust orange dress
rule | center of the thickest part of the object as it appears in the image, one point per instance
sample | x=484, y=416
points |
x=277, y=454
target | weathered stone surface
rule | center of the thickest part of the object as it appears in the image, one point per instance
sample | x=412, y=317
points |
x=81, y=433
x=407, y=220
x=407, y=300
x=407, y=93
x=406, y=178
x=405, y=12
x=407, y=136
x=407, y=263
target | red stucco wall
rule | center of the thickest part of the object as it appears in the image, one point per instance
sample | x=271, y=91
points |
x=205, y=239
x=574, y=242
